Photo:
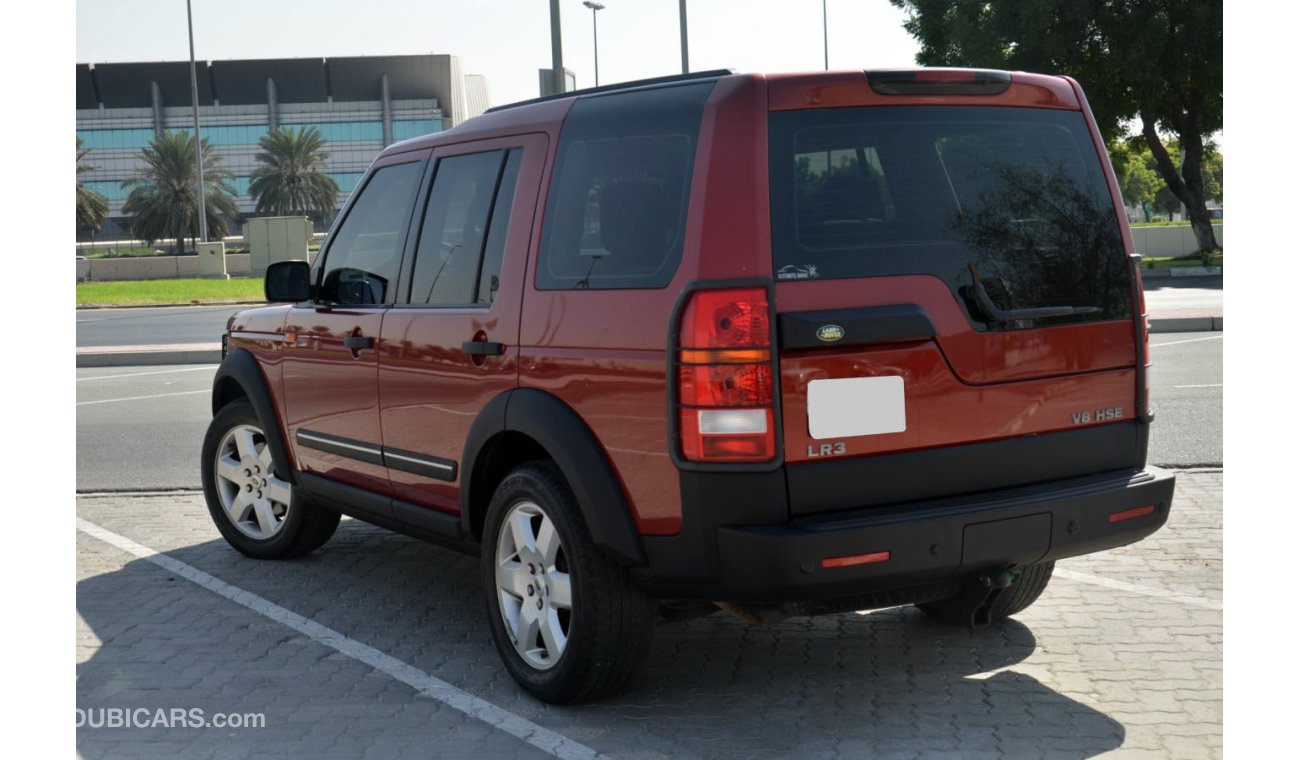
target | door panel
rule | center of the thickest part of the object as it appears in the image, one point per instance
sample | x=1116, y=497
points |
x=331, y=350
x=432, y=385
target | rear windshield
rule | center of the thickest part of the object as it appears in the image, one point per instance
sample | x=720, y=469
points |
x=1013, y=198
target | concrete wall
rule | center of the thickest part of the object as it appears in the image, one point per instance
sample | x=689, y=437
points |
x=161, y=267
x=1174, y=240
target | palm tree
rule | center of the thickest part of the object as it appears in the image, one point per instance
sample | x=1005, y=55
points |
x=291, y=178
x=92, y=208
x=164, y=199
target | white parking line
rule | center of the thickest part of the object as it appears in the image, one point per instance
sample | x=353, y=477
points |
x=1207, y=385
x=140, y=398
x=1189, y=340
x=142, y=374
x=1133, y=588
x=548, y=741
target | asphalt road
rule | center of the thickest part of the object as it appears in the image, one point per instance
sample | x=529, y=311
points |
x=142, y=427
x=1177, y=294
x=162, y=325
x=1187, y=393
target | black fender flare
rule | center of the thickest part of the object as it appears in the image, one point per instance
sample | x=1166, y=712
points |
x=558, y=429
x=241, y=368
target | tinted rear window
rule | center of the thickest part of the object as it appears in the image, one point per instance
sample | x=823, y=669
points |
x=1017, y=193
x=616, y=210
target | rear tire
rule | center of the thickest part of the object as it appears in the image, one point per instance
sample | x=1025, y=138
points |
x=1033, y=581
x=256, y=510
x=567, y=621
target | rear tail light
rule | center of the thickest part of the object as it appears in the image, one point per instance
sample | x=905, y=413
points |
x=724, y=378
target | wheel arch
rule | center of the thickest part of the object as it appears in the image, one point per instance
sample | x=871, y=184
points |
x=240, y=377
x=525, y=425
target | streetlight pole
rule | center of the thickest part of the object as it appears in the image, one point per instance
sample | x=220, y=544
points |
x=686, y=61
x=198, y=141
x=595, y=45
x=826, y=47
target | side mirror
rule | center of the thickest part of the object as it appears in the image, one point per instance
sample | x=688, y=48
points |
x=288, y=281
x=347, y=286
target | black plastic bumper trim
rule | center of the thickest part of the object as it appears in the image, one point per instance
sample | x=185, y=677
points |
x=928, y=541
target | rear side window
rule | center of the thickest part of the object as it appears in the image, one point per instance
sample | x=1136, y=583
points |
x=616, y=210
x=454, y=229
x=1013, y=196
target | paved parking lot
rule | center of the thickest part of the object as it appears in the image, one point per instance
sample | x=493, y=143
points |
x=377, y=645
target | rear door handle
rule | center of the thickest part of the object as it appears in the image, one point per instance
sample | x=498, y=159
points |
x=358, y=342
x=483, y=348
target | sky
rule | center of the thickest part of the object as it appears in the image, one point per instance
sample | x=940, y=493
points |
x=506, y=40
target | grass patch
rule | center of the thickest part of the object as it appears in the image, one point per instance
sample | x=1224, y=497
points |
x=116, y=252
x=1191, y=260
x=185, y=291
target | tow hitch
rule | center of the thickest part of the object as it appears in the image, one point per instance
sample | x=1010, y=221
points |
x=983, y=591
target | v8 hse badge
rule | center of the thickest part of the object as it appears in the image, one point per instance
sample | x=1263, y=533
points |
x=1101, y=415
x=830, y=333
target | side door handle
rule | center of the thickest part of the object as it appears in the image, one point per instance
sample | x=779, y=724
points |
x=483, y=348
x=358, y=342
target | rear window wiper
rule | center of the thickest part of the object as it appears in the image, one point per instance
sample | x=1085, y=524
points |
x=992, y=313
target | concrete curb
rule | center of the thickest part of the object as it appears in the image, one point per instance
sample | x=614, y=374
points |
x=144, y=356
x=1186, y=324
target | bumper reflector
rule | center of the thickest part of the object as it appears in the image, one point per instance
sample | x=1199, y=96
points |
x=1129, y=514
x=856, y=559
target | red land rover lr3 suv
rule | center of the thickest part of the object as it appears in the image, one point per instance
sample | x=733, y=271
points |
x=792, y=344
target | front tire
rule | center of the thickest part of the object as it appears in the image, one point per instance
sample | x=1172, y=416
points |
x=567, y=621
x=256, y=510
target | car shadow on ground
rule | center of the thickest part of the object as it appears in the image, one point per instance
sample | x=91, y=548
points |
x=853, y=684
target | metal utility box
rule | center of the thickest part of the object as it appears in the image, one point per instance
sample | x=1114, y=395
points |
x=276, y=238
x=212, y=260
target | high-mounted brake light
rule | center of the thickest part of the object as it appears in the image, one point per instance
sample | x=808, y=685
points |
x=724, y=378
x=939, y=82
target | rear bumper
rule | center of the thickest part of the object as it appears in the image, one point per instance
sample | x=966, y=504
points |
x=928, y=541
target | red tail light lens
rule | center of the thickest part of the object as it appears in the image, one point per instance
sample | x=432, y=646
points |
x=727, y=384
x=726, y=319
x=725, y=377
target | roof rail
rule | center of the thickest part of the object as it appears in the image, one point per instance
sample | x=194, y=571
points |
x=635, y=84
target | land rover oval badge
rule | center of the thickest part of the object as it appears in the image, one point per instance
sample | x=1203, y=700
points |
x=830, y=333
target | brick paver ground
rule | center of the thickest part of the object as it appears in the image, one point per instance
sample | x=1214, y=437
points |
x=1093, y=669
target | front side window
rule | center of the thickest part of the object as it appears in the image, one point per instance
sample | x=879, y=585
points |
x=364, y=256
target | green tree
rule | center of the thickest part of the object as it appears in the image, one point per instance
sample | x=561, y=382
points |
x=1138, y=182
x=291, y=178
x=164, y=199
x=92, y=208
x=1157, y=61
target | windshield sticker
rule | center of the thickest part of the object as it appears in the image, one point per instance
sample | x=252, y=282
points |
x=796, y=272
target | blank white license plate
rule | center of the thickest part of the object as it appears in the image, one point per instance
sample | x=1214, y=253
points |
x=856, y=406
